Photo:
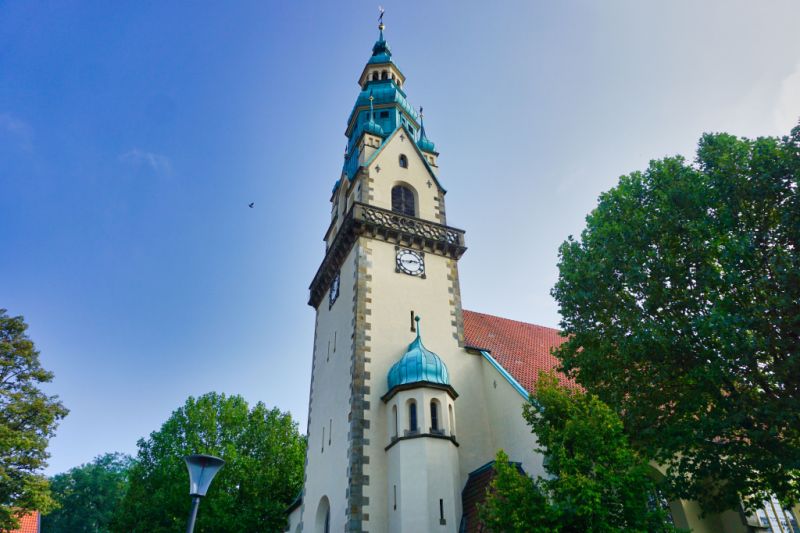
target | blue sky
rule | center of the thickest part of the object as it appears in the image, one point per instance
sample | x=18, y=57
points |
x=133, y=136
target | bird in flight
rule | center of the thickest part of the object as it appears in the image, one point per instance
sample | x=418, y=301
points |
x=251, y=204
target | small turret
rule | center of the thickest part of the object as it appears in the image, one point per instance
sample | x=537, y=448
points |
x=423, y=471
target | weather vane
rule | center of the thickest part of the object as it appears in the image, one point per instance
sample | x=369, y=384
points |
x=380, y=18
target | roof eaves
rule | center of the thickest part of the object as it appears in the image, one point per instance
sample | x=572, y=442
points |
x=514, y=383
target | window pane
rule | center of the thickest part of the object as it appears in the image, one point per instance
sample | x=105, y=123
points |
x=403, y=201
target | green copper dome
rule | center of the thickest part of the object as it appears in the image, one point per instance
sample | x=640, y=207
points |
x=425, y=144
x=381, y=53
x=418, y=365
x=372, y=126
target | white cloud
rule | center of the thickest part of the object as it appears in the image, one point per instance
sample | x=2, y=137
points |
x=158, y=163
x=17, y=130
x=787, y=110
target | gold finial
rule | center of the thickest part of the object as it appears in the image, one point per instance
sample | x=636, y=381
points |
x=380, y=18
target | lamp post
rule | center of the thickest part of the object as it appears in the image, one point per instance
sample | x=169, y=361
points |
x=202, y=469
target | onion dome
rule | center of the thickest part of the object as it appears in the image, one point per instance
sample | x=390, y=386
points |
x=418, y=365
x=425, y=144
x=373, y=128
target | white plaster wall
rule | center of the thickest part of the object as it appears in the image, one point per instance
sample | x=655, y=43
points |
x=423, y=470
x=509, y=430
x=392, y=173
x=326, y=473
x=294, y=520
x=394, y=295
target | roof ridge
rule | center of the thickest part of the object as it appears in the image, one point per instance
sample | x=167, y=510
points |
x=512, y=320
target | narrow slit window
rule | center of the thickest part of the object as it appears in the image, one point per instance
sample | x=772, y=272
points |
x=330, y=430
x=434, y=416
x=323, y=439
x=412, y=417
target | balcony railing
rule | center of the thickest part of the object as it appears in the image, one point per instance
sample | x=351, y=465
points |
x=378, y=223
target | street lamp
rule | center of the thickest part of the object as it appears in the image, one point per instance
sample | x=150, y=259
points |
x=202, y=469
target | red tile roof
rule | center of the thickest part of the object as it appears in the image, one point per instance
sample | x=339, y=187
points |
x=522, y=349
x=28, y=523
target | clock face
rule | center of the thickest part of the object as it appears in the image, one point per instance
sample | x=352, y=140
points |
x=334, y=292
x=410, y=262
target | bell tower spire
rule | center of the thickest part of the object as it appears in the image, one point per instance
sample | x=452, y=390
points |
x=389, y=255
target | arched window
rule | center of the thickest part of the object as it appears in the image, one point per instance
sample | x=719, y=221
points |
x=403, y=201
x=412, y=417
x=375, y=76
x=394, y=416
x=403, y=160
x=434, y=416
x=323, y=518
x=452, y=420
x=384, y=75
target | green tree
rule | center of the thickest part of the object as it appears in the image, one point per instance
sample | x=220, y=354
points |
x=596, y=482
x=264, y=455
x=28, y=418
x=516, y=502
x=88, y=495
x=681, y=302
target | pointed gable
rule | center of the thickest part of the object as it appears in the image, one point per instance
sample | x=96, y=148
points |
x=412, y=148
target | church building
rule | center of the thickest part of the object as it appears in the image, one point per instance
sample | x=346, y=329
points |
x=411, y=395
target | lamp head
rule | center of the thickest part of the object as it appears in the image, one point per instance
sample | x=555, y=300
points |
x=202, y=469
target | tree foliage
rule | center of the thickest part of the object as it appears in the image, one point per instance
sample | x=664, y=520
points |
x=88, y=495
x=28, y=418
x=681, y=300
x=596, y=482
x=263, y=452
x=516, y=502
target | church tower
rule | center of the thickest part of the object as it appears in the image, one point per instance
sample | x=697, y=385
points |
x=411, y=396
x=382, y=447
